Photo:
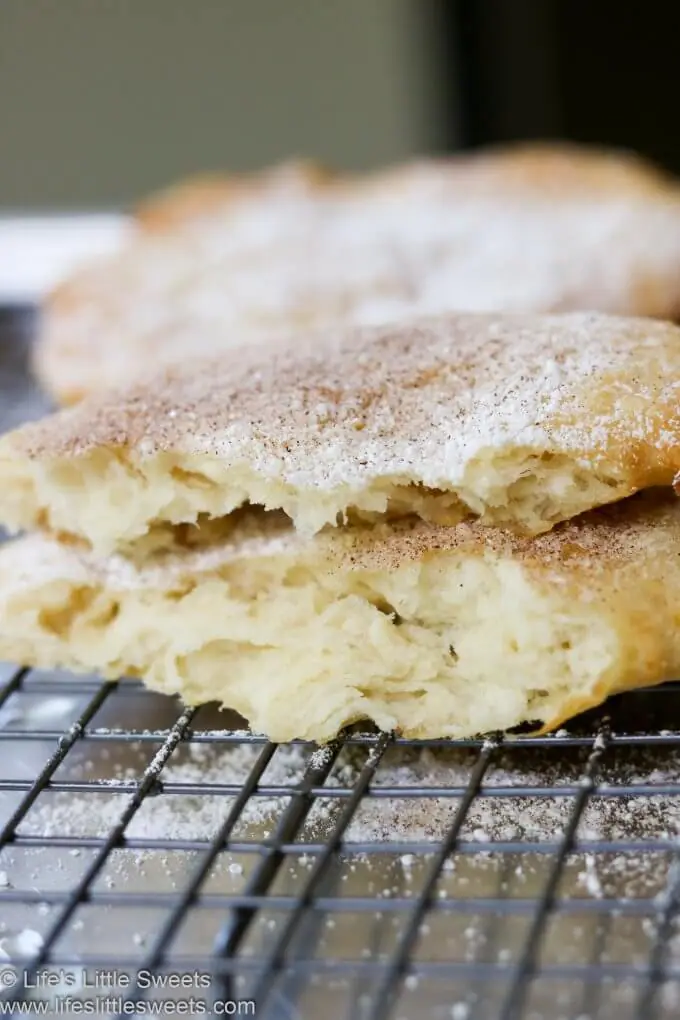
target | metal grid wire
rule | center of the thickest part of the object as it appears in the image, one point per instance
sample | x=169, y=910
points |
x=474, y=880
x=289, y=933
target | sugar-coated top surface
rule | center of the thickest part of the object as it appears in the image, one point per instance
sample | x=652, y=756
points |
x=532, y=229
x=641, y=533
x=416, y=403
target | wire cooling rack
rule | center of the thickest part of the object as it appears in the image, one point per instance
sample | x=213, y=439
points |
x=532, y=878
x=287, y=899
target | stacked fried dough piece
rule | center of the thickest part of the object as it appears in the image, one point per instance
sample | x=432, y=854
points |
x=343, y=529
x=446, y=524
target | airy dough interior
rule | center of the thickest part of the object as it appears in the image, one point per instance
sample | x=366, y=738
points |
x=452, y=645
x=114, y=498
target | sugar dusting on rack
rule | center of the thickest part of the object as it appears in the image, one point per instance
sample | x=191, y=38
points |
x=383, y=814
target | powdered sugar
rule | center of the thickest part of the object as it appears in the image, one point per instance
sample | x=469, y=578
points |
x=505, y=867
x=416, y=402
x=526, y=230
x=172, y=817
x=388, y=815
x=445, y=418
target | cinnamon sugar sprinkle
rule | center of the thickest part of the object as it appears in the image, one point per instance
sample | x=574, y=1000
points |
x=417, y=401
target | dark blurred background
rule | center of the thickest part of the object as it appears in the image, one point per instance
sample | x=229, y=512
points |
x=103, y=100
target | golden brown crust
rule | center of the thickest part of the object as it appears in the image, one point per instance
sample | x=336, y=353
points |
x=210, y=194
x=178, y=203
x=556, y=170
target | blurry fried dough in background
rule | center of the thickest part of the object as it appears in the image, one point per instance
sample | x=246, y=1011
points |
x=225, y=261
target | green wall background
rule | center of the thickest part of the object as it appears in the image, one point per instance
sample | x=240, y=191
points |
x=103, y=100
